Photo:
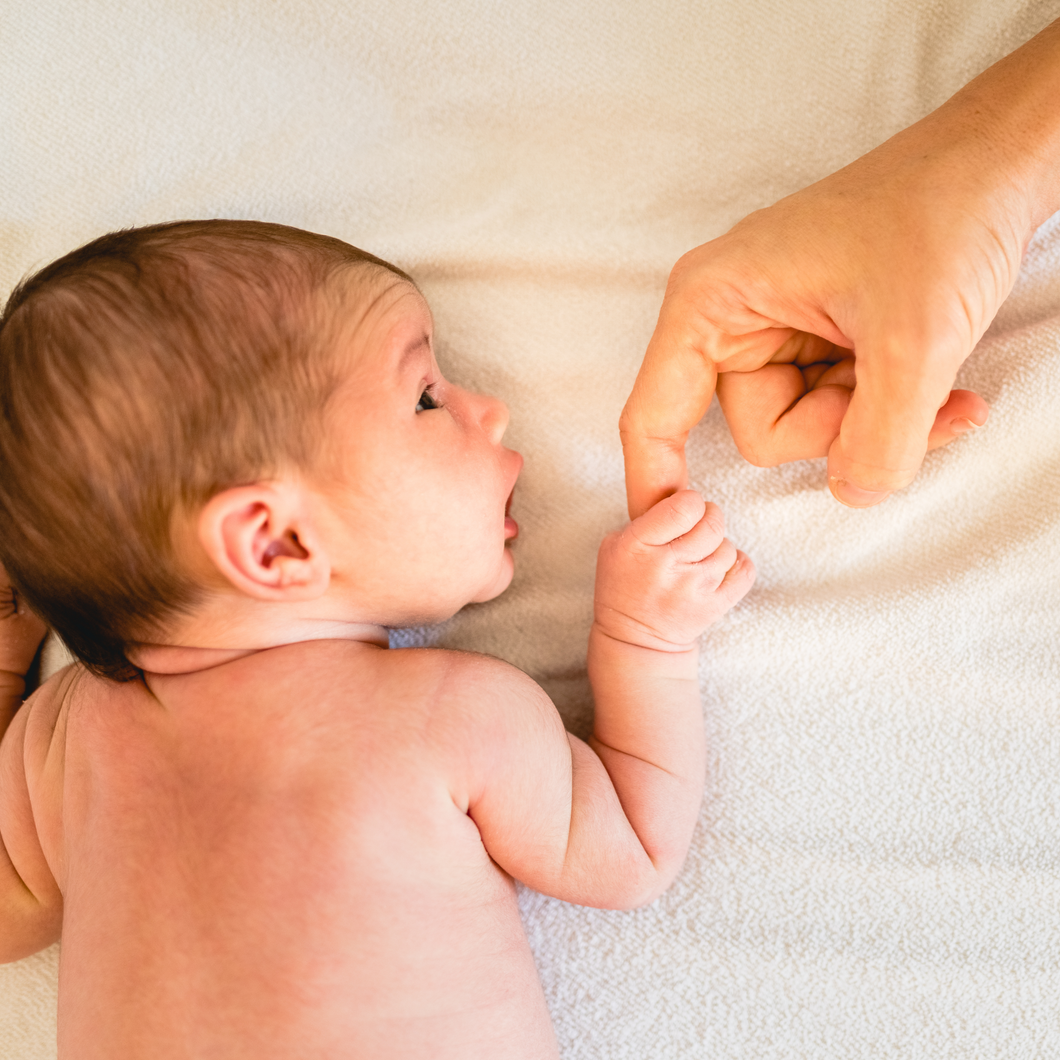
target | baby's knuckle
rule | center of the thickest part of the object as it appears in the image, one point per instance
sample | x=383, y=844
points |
x=709, y=586
x=687, y=499
x=614, y=544
x=687, y=506
x=725, y=555
x=714, y=518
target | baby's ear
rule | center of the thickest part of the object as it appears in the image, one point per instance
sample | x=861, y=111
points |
x=262, y=539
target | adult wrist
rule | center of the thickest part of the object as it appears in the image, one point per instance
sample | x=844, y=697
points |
x=1008, y=119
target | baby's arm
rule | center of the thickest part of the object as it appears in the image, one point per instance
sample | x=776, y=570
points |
x=609, y=823
x=28, y=921
x=660, y=583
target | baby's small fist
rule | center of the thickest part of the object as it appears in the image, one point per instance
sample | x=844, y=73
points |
x=669, y=574
x=20, y=630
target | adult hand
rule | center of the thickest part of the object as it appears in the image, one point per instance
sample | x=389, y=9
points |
x=838, y=317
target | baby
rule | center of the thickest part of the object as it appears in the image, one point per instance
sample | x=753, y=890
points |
x=228, y=461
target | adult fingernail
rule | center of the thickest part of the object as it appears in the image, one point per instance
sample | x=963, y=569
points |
x=962, y=425
x=854, y=496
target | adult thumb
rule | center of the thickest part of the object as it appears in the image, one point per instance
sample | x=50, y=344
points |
x=899, y=409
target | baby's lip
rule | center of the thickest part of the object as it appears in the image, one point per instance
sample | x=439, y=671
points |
x=511, y=527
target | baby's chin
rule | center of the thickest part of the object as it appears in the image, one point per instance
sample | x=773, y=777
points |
x=503, y=580
x=444, y=610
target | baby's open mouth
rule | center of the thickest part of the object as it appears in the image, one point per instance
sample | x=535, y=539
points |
x=511, y=527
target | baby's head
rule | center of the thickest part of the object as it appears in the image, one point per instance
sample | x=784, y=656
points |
x=234, y=434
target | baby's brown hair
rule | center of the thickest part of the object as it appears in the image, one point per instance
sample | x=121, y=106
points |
x=140, y=375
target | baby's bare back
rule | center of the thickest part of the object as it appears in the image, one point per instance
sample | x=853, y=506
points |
x=265, y=859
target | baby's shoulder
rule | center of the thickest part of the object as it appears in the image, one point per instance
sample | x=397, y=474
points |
x=432, y=689
x=455, y=678
x=475, y=708
x=34, y=755
x=69, y=699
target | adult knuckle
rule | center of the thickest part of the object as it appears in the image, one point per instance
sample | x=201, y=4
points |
x=756, y=450
x=684, y=265
x=628, y=423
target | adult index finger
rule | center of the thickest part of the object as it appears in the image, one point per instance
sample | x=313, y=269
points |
x=672, y=391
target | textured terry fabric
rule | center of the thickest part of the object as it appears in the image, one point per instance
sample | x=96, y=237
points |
x=875, y=869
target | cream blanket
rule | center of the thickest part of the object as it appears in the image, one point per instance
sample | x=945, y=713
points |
x=875, y=869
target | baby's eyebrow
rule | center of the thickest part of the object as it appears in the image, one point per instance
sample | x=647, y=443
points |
x=413, y=351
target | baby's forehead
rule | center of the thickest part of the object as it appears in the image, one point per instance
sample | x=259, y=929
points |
x=378, y=315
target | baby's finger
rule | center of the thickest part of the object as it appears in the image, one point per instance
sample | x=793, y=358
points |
x=704, y=539
x=737, y=581
x=21, y=631
x=670, y=518
x=715, y=567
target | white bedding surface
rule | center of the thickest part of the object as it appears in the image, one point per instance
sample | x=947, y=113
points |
x=875, y=869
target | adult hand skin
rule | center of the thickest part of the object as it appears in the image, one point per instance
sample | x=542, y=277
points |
x=884, y=275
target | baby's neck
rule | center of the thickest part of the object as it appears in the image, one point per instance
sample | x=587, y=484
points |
x=188, y=658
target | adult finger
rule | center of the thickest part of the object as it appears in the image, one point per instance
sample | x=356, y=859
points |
x=673, y=389
x=963, y=412
x=773, y=418
x=883, y=437
x=884, y=434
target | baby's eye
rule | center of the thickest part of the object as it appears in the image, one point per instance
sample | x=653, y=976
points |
x=426, y=401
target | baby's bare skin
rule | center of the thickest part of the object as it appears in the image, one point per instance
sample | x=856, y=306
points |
x=267, y=859
x=287, y=840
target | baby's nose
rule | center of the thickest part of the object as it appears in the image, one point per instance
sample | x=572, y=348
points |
x=494, y=417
